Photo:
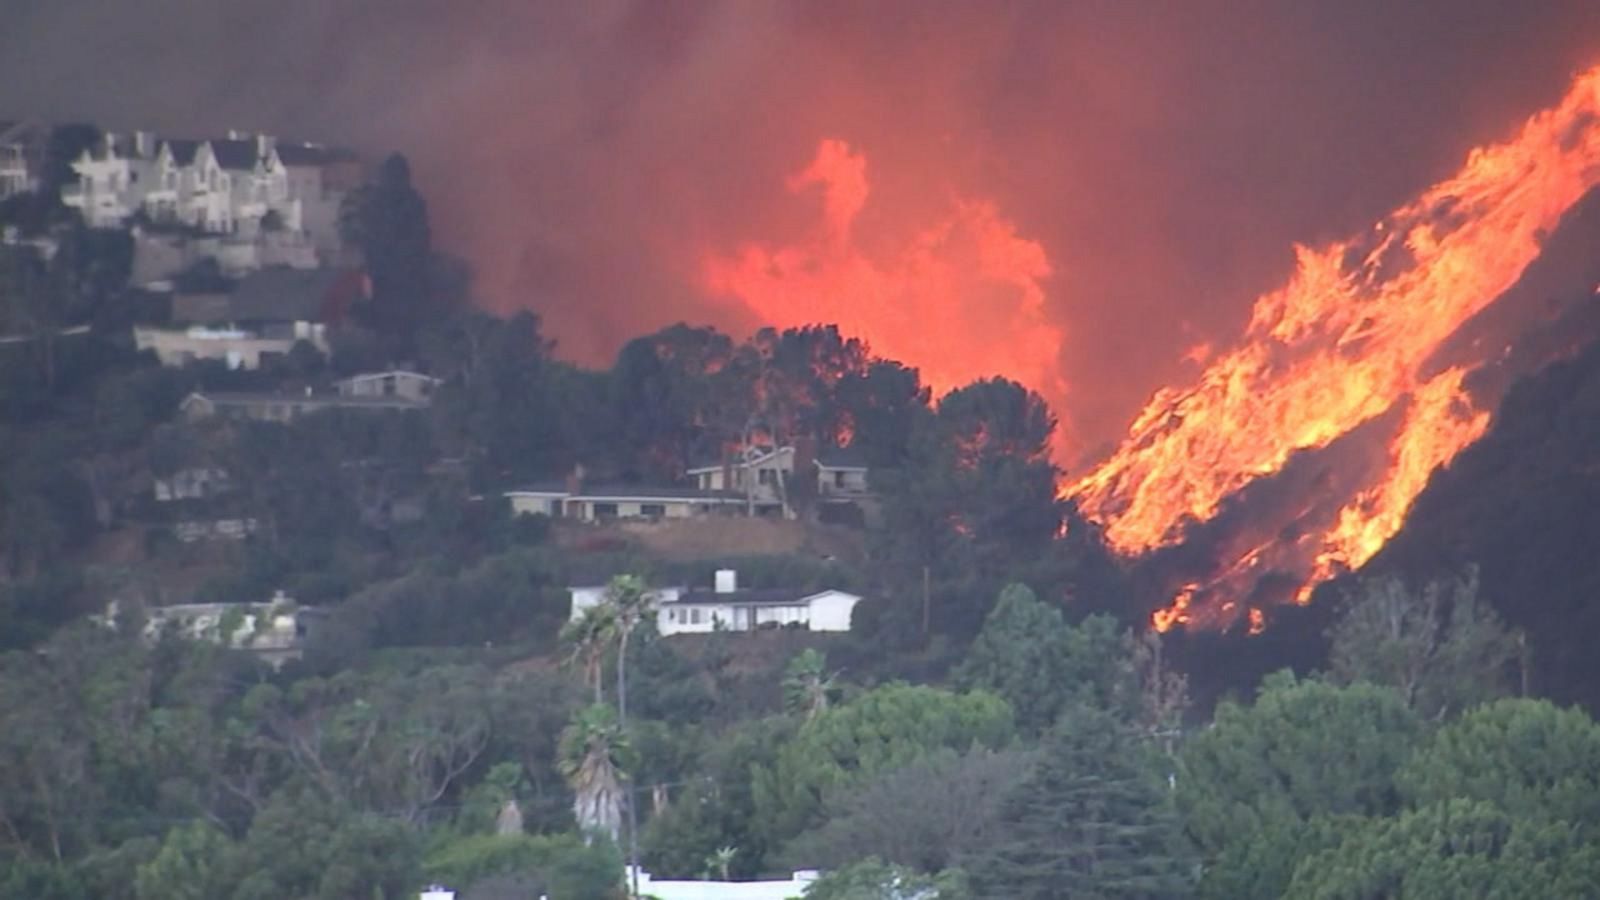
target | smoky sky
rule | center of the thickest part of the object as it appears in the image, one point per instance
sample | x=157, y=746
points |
x=586, y=157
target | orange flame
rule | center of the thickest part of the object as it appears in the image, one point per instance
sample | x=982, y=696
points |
x=1347, y=340
x=943, y=298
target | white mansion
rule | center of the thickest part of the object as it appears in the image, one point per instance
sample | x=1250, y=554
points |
x=240, y=185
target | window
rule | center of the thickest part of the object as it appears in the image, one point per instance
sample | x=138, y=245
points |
x=694, y=616
x=653, y=510
x=765, y=476
x=838, y=478
x=605, y=510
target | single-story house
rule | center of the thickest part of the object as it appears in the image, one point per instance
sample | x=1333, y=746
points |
x=275, y=630
x=238, y=348
x=393, y=383
x=792, y=888
x=268, y=407
x=726, y=607
x=192, y=483
x=599, y=503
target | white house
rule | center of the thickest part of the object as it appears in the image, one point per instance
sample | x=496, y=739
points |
x=19, y=143
x=193, y=483
x=271, y=407
x=275, y=630
x=221, y=186
x=604, y=503
x=728, y=608
x=237, y=348
x=589, y=596
x=113, y=177
x=792, y=888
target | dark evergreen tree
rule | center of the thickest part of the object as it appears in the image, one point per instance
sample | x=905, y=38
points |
x=1095, y=820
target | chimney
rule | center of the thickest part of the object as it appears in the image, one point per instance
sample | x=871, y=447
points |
x=265, y=144
x=144, y=144
x=727, y=581
x=575, y=480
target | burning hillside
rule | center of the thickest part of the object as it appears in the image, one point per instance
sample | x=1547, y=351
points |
x=1297, y=452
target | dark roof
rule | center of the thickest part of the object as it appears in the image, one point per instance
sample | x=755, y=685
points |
x=647, y=491
x=747, y=597
x=841, y=458
x=242, y=398
x=183, y=151
x=237, y=155
x=283, y=294
x=313, y=155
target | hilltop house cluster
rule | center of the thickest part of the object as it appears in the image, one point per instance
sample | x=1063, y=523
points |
x=249, y=186
x=244, y=200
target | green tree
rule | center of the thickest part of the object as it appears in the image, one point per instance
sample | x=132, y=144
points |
x=1525, y=757
x=927, y=815
x=194, y=864
x=589, y=638
x=808, y=686
x=593, y=760
x=1458, y=848
x=388, y=221
x=877, y=731
x=1302, y=750
x=1442, y=648
x=1029, y=656
x=1095, y=819
x=873, y=879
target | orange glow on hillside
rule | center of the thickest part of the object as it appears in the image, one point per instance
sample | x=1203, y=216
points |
x=1348, y=340
x=960, y=297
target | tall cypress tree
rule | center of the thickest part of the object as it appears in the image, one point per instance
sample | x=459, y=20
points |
x=1095, y=820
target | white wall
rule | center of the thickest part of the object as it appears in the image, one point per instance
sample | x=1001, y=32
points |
x=831, y=610
x=791, y=889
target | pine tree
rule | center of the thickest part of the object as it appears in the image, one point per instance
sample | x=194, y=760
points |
x=1095, y=820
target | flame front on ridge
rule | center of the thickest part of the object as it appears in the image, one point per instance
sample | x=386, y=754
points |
x=1345, y=342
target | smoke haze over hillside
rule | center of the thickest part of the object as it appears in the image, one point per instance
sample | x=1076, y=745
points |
x=589, y=158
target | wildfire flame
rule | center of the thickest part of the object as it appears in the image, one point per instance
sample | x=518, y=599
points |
x=942, y=298
x=1348, y=340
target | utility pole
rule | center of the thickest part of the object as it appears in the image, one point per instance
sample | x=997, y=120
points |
x=925, y=605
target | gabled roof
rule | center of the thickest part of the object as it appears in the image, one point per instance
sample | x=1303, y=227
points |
x=644, y=492
x=753, y=457
x=183, y=151
x=236, y=155
x=387, y=373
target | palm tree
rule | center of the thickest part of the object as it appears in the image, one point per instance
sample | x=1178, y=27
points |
x=719, y=862
x=593, y=749
x=808, y=686
x=590, y=636
x=629, y=605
